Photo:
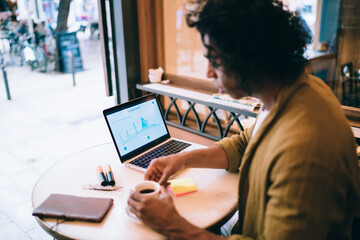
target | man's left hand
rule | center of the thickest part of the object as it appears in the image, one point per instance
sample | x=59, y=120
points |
x=159, y=214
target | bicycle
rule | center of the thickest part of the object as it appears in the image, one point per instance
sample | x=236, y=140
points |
x=10, y=44
x=8, y=32
x=32, y=54
x=15, y=49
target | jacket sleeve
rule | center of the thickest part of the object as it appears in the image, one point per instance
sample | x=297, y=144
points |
x=235, y=147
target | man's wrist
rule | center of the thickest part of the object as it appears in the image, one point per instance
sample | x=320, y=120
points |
x=186, y=159
x=184, y=230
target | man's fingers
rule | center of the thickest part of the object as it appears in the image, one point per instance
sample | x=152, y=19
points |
x=163, y=179
x=149, y=172
x=134, y=206
x=164, y=193
x=158, y=174
x=132, y=203
x=153, y=173
x=135, y=196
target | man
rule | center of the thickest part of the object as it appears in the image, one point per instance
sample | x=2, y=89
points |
x=298, y=176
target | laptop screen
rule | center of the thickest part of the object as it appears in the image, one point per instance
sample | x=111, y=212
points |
x=136, y=126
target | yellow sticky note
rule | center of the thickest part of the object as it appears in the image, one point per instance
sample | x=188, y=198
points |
x=182, y=186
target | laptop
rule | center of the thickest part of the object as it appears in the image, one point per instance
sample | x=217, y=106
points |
x=140, y=134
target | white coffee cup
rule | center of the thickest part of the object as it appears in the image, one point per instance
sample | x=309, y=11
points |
x=149, y=189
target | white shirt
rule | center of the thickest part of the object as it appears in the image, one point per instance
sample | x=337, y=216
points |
x=259, y=120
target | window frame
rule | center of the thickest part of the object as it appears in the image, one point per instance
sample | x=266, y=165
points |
x=152, y=51
x=151, y=41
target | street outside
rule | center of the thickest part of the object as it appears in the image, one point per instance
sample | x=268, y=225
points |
x=46, y=120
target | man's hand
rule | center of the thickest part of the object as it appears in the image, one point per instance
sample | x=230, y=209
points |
x=161, y=169
x=159, y=214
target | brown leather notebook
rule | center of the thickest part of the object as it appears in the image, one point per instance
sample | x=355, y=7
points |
x=70, y=207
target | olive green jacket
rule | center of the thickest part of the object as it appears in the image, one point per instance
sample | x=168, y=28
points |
x=298, y=174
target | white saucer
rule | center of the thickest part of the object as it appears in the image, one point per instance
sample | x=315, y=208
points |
x=132, y=216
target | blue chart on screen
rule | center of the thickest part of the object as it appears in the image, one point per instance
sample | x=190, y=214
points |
x=136, y=126
x=145, y=129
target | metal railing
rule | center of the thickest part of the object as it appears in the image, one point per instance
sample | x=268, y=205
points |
x=223, y=130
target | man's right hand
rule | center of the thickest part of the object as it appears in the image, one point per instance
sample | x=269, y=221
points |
x=161, y=169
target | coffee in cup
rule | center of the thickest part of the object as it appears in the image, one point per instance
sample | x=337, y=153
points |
x=145, y=191
x=148, y=189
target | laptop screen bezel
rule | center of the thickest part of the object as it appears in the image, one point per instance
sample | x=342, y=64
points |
x=131, y=103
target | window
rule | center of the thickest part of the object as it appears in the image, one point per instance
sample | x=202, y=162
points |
x=170, y=43
x=183, y=54
x=183, y=47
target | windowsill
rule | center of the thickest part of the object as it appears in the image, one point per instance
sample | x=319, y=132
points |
x=190, y=83
x=353, y=115
x=198, y=96
x=317, y=55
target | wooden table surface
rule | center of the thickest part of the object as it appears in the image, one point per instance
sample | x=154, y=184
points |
x=215, y=199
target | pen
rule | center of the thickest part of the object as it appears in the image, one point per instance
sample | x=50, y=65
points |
x=101, y=176
x=110, y=176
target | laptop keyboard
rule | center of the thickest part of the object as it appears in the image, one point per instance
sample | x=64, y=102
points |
x=168, y=148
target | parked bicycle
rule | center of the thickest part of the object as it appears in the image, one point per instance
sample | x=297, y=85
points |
x=30, y=53
x=15, y=49
x=37, y=51
x=9, y=42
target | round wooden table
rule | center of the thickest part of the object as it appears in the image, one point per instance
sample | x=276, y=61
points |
x=214, y=200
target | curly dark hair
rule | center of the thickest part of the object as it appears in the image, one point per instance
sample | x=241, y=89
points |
x=254, y=38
